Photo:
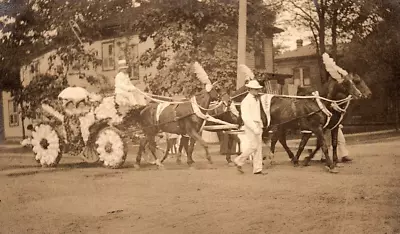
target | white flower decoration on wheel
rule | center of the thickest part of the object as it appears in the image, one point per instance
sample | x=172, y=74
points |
x=46, y=145
x=111, y=148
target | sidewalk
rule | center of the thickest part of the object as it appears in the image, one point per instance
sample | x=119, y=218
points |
x=351, y=139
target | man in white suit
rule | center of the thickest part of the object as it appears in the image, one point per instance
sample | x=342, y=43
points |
x=126, y=94
x=253, y=126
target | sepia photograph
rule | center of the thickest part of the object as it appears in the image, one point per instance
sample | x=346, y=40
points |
x=200, y=116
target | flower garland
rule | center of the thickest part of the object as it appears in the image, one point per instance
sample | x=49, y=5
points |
x=107, y=109
x=47, y=155
x=86, y=121
x=111, y=148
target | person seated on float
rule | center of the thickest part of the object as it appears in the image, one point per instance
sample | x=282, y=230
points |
x=126, y=94
x=76, y=99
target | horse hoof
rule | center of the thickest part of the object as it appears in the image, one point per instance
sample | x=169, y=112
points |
x=136, y=165
x=231, y=164
x=161, y=167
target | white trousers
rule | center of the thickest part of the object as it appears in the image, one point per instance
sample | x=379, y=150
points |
x=341, y=145
x=253, y=147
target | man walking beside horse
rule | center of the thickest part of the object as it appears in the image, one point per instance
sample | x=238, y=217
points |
x=253, y=128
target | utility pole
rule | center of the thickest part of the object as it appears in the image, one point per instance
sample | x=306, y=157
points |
x=242, y=36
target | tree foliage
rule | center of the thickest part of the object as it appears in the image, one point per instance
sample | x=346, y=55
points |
x=203, y=31
x=42, y=88
x=335, y=21
x=378, y=52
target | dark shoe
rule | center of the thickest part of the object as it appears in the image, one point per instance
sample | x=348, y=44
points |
x=346, y=159
x=260, y=173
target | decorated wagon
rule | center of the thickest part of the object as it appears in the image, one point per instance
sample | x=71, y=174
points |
x=83, y=124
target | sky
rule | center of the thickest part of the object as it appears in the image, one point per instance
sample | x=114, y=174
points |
x=291, y=33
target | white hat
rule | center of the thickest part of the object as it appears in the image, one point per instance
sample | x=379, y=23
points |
x=253, y=84
x=122, y=64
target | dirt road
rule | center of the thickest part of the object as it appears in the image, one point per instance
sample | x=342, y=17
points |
x=76, y=198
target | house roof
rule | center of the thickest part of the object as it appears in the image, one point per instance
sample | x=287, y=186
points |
x=303, y=51
x=309, y=50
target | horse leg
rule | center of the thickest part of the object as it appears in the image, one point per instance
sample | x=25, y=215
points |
x=153, y=146
x=183, y=143
x=282, y=140
x=274, y=140
x=142, y=145
x=312, y=154
x=320, y=135
x=196, y=136
x=334, y=135
x=189, y=151
x=304, y=139
x=169, y=146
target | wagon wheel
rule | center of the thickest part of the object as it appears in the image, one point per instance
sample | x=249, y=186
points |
x=46, y=146
x=111, y=148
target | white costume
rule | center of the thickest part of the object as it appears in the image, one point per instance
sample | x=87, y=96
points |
x=126, y=94
x=341, y=146
x=250, y=108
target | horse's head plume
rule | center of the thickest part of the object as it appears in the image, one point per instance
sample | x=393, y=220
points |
x=332, y=68
x=246, y=71
x=202, y=76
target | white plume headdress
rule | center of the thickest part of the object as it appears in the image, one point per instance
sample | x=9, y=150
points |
x=334, y=70
x=202, y=76
x=246, y=71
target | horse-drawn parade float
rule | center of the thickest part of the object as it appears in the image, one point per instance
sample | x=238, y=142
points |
x=96, y=128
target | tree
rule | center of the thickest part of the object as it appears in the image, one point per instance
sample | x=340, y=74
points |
x=201, y=28
x=35, y=27
x=374, y=56
x=334, y=21
x=203, y=31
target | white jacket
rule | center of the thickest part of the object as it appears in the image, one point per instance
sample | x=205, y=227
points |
x=123, y=84
x=251, y=115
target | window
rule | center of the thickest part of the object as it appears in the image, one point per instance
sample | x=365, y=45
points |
x=108, y=55
x=301, y=76
x=13, y=113
x=35, y=67
x=134, y=65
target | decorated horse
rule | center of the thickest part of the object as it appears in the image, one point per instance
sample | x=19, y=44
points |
x=334, y=113
x=306, y=112
x=229, y=119
x=182, y=118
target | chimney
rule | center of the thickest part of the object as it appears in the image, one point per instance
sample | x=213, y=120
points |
x=299, y=43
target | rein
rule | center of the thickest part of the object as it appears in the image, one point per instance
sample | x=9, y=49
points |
x=192, y=100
